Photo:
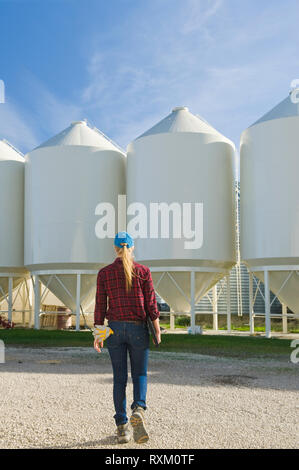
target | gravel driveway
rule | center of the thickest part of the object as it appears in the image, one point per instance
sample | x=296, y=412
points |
x=62, y=398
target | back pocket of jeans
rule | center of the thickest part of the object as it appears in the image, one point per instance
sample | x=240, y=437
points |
x=141, y=339
x=113, y=341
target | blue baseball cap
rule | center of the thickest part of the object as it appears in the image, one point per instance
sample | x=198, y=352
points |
x=123, y=238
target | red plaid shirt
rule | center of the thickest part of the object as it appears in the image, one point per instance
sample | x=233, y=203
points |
x=123, y=306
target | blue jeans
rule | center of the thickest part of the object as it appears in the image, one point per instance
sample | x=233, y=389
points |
x=135, y=339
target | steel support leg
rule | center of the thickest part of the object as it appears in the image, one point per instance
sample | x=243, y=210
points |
x=192, y=301
x=215, y=309
x=228, y=306
x=251, y=314
x=78, y=296
x=267, y=304
x=10, y=284
x=36, y=303
x=284, y=319
x=172, y=321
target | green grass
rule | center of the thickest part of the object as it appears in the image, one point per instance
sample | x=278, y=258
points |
x=45, y=338
x=167, y=326
x=226, y=346
x=257, y=329
x=237, y=327
x=260, y=329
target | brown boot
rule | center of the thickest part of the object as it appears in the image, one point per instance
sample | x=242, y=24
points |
x=123, y=433
x=138, y=424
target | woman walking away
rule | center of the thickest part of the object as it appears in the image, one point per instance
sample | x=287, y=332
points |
x=129, y=287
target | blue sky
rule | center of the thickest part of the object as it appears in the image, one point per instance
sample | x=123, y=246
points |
x=124, y=64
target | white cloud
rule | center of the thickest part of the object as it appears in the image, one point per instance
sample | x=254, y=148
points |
x=15, y=129
x=51, y=112
x=198, y=13
x=28, y=126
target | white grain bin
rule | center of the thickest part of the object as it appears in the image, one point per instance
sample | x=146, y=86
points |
x=269, y=169
x=12, y=269
x=185, y=160
x=65, y=179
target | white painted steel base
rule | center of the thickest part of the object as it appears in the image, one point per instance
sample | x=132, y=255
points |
x=264, y=272
x=15, y=281
x=192, y=300
x=77, y=297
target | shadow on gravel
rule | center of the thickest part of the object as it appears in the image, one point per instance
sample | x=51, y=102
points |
x=236, y=380
x=106, y=441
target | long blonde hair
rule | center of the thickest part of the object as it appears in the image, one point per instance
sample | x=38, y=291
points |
x=127, y=256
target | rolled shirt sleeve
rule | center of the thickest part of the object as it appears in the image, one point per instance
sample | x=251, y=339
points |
x=101, y=301
x=150, y=301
